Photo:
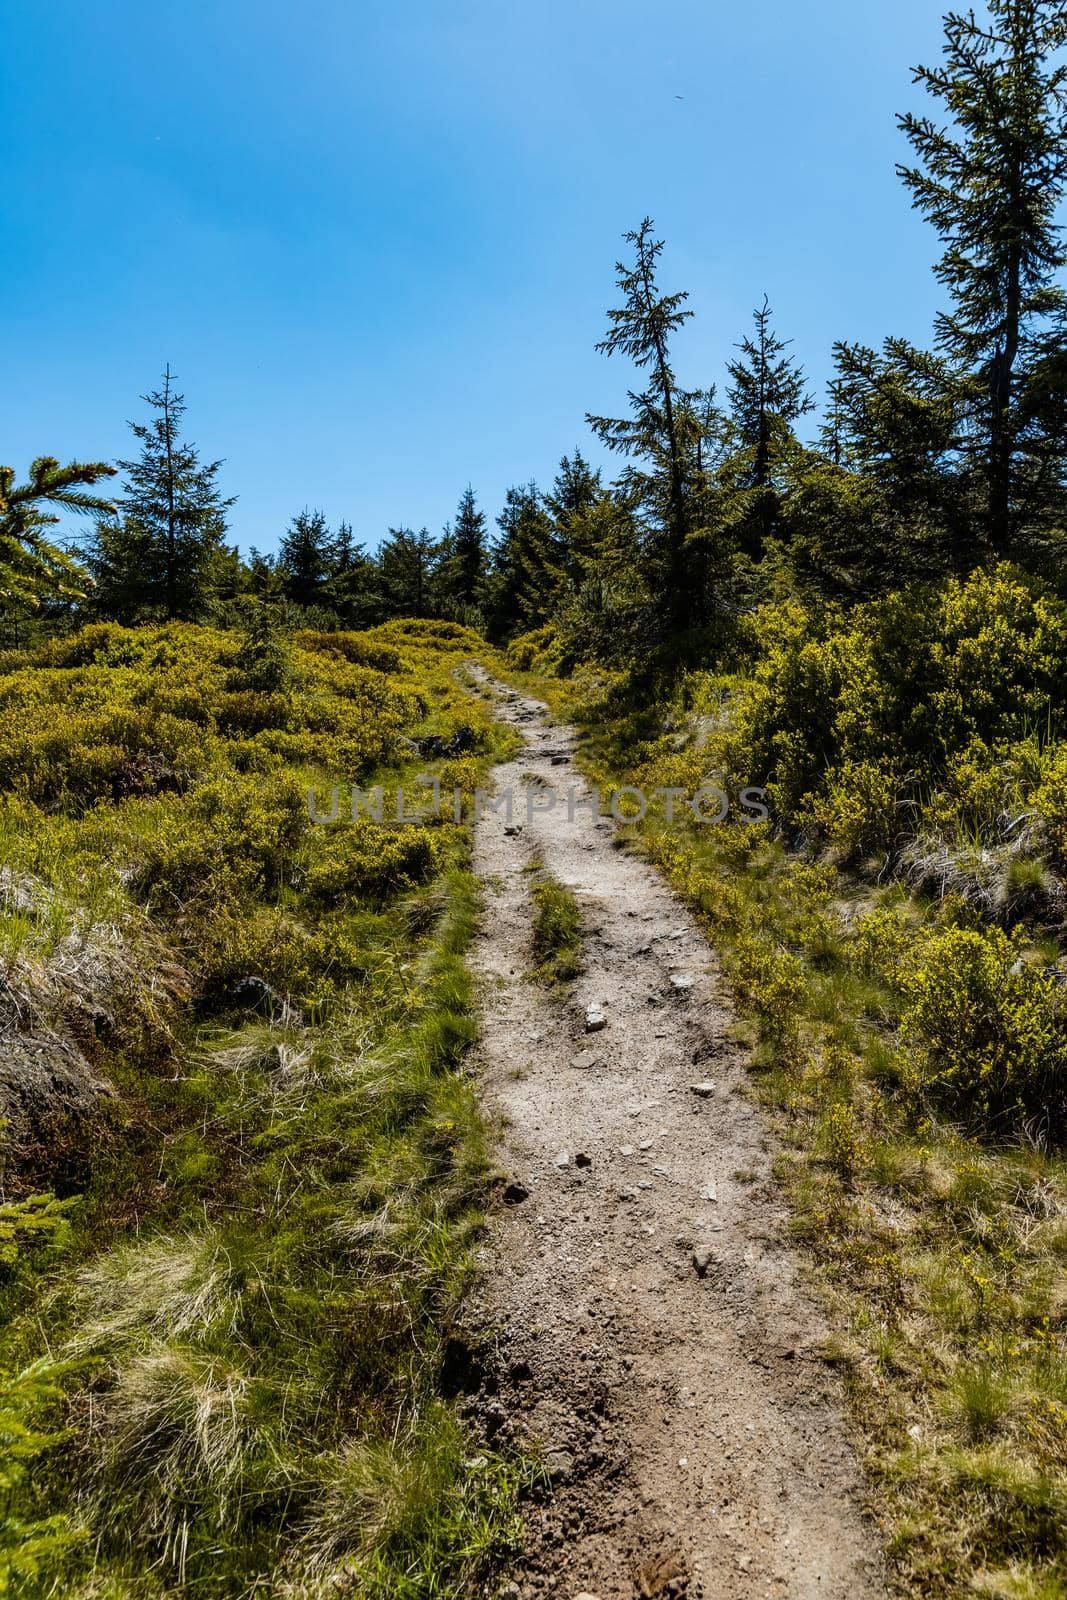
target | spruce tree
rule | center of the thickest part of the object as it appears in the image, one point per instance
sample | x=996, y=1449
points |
x=352, y=587
x=528, y=566
x=894, y=419
x=767, y=395
x=466, y=562
x=768, y=387
x=660, y=434
x=991, y=184
x=407, y=564
x=159, y=559
x=264, y=579
x=576, y=488
x=304, y=558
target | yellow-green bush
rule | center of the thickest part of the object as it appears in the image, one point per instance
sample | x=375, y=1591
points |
x=369, y=861
x=536, y=650
x=77, y=712
x=987, y=1030
x=1050, y=801
x=353, y=647
x=865, y=714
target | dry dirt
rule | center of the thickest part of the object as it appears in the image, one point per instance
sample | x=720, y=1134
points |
x=655, y=1336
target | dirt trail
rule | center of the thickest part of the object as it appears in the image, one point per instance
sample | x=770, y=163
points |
x=654, y=1333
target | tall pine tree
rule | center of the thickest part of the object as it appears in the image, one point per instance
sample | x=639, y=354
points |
x=464, y=557
x=991, y=185
x=661, y=434
x=528, y=566
x=304, y=558
x=767, y=395
x=160, y=558
x=407, y=565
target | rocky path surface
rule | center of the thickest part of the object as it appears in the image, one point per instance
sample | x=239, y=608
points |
x=654, y=1332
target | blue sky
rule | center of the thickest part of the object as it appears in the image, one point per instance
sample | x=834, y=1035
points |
x=376, y=242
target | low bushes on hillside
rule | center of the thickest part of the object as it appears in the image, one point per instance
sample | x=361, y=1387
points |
x=932, y=715
x=244, y=1030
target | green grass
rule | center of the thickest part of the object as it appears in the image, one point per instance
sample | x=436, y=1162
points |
x=273, y=1222
x=557, y=930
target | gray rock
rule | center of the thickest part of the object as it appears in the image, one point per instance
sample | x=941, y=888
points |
x=705, y=1090
x=702, y=1260
x=559, y=1465
x=595, y=1020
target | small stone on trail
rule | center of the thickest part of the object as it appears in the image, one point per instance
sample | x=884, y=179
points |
x=585, y=1060
x=562, y=1160
x=516, y=1193
x=681, y=981
x=704, y=1090
x=709, y=1192
x=512, y=832
x=560, y=1465
x=626, y=1150
x=702, y=1260
x=595, y=1020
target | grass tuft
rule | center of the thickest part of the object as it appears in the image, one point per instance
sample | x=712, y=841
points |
x=557, y=930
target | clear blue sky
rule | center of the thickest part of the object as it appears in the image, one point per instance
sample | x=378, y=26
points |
x=376, y=241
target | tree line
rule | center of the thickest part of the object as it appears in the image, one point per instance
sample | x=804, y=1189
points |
x=926, y=462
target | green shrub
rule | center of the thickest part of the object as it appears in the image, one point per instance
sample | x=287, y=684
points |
x=988, y=1032
x=370, y=861
x=860, y=807
x=904, y=696
x=356, y=647
x=537, y=649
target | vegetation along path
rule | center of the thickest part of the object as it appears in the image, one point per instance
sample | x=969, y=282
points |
x=656, y=1338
